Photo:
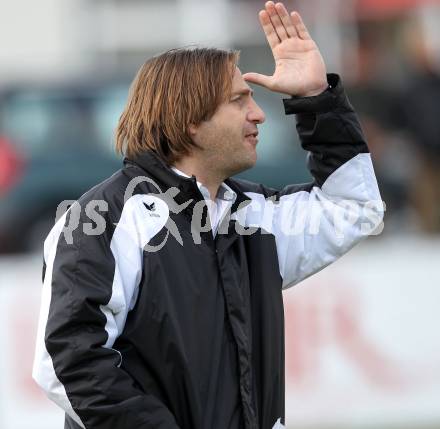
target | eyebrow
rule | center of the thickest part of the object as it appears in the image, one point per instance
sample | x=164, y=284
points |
x=246, y=91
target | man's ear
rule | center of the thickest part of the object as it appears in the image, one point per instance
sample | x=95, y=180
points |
x=192, y=129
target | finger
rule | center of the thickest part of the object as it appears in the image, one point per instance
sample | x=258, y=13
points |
x=286, y=20
x=276, y=21
x=299, y=25
x=259, y=79
x=268, y=29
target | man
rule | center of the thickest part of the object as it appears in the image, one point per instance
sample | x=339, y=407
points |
x=171, y=316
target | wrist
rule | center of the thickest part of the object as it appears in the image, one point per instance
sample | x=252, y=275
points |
x=317, y=91
x=332, y=98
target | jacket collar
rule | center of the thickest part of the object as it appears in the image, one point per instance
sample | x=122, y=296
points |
x=166, y=178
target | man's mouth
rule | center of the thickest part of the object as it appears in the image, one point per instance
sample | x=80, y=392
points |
x=252, y=137
x=253, y=134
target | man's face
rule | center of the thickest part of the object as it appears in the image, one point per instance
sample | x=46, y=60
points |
x=229, y=138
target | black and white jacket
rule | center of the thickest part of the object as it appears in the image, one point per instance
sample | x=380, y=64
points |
x=148, y=321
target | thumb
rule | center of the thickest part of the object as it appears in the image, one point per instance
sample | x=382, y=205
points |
x=259, y=79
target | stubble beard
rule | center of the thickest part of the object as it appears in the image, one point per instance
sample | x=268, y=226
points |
x=229, y=155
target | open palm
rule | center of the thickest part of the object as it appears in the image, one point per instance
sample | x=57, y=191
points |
x=299, y=67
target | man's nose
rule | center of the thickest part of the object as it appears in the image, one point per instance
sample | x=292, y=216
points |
x=256, y=113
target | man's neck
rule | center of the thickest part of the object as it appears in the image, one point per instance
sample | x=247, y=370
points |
x=204, y=175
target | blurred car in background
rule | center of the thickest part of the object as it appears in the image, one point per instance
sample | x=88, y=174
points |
x=55, y=143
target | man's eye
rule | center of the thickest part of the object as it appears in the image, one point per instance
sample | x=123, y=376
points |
x=236, y=99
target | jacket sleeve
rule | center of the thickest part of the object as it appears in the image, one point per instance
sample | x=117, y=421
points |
x=315, y=223
x=90, y=283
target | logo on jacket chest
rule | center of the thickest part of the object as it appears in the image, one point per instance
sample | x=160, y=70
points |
x=151, y=208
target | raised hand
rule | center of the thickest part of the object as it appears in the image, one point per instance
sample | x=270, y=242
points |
x=299, y=67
